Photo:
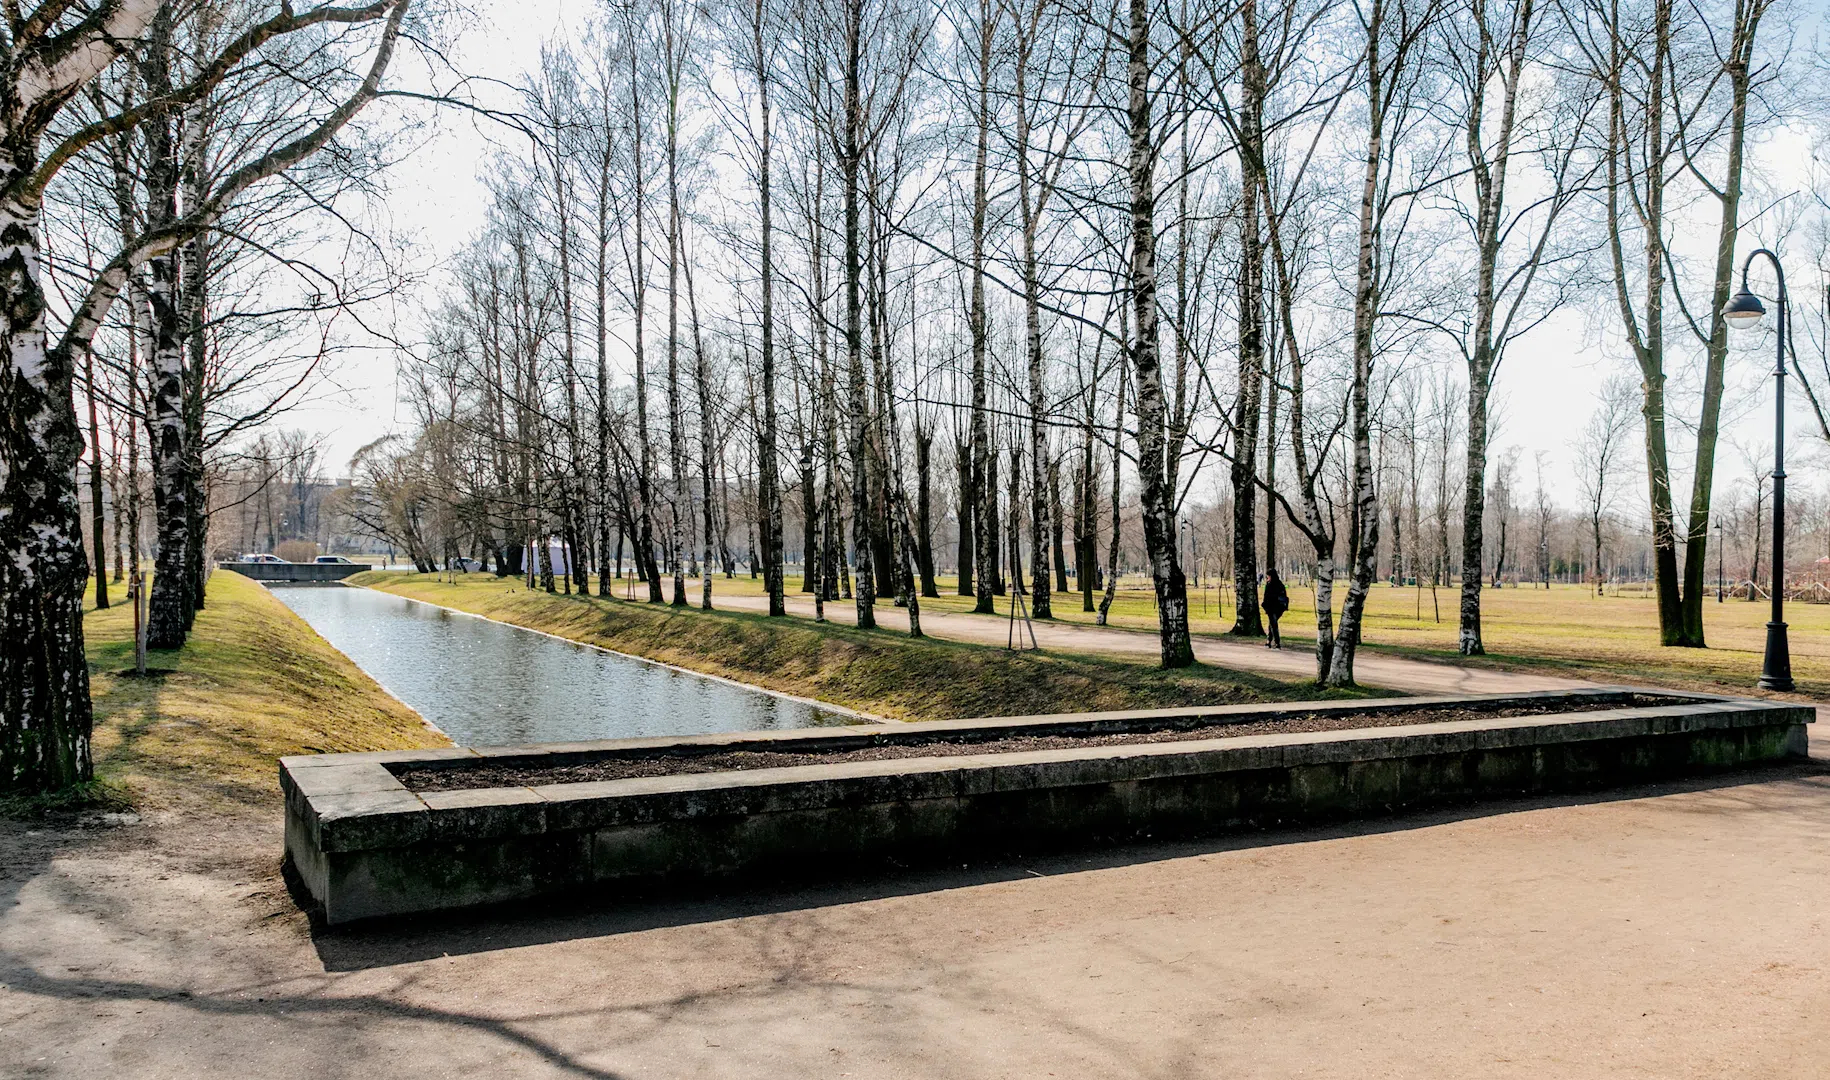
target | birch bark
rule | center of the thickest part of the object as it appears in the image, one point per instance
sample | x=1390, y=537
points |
x=1156, y=497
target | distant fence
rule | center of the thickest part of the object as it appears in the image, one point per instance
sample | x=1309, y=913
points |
x=295, y=571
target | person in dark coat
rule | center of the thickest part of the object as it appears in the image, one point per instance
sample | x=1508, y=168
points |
x=1276, y=602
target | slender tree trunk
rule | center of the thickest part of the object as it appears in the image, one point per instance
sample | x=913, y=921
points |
x=967, y=551
x=924, y=514
x=97, y=513
x=1086, y=520
x=1156, y=498
x=1246, y=619
x=984, y=487
x=136, y=349
x=602, y=401
x=1056, y=528
x=1118, y=460
x=1647, y=334
x=676, y=423
x=1709, y=421
x=1040, y=513
x=645, y=561
x=571, y=498
x=173, y=600
x=45, y=714
x=118, y=485
x=1015, y=502
x=1473, y=516
x=171, y=607
x=707, y=439
x=1363, y=537
x=1753, y=569
x=1270, y=476
x=1489, y=179
x=767, y=480
x=810, y=519
x=990, y=530
x=864, y=590
x=194, y=285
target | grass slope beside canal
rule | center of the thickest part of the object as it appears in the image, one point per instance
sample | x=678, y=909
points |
x=252, y=683
x=881, y=672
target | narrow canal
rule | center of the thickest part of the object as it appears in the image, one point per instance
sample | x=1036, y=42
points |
x=489, y=684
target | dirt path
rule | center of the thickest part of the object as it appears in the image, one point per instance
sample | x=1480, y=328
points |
x=1672, y=932
x=1396, y=673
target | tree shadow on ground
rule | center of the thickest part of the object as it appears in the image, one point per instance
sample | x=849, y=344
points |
x=604, y=911
x=245, y=996
x=28, y=850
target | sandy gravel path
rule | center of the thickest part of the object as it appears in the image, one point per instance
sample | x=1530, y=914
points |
x=1668, y=932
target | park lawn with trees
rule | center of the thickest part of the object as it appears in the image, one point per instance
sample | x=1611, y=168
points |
x=1568, y=631
x=1220, y=240
x=253, y=683
x=1565, y=630
x=878, y=672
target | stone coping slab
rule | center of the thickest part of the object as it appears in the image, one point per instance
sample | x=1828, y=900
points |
x=364, y=844
x=815, y=740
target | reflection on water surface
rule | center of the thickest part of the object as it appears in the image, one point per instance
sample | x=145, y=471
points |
x=487, y=684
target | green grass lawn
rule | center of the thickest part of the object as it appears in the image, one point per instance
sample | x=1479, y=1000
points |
x=1565, y=629
x=253, y=683
x=881, y=672
x=1568, y=629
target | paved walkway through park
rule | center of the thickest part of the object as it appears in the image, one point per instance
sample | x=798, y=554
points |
x=1370, y=668
x=1670, y=932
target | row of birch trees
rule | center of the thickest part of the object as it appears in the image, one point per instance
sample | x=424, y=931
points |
x=836, y=262
x=805, y=252
x=161, y=165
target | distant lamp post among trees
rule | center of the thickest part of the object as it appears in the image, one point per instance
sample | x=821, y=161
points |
x=1743, y=312
x=1194, y=551
x=1718, y=560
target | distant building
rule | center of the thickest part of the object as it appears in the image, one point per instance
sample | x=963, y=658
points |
x=558, y=550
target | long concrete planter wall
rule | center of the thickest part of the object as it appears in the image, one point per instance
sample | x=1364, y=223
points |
x=364, y=845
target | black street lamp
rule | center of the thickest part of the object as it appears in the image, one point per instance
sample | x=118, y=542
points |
x=1743, y=312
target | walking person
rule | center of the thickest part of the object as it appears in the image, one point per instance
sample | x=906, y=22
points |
x=1276, y=602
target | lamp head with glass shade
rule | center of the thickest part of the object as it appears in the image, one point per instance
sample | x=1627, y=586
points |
x=1744, y=311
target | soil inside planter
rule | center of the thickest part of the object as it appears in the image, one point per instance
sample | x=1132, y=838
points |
x=956, y=744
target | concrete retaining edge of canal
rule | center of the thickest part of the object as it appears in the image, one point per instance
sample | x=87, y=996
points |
x=363, y=845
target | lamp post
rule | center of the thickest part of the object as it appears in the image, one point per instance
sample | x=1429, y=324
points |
x=1743, y=312
x=1194, y=551
x=1718, y=560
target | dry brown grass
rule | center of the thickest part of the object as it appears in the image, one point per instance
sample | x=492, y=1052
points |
x=252, y=684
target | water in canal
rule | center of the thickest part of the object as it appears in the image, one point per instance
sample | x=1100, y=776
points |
x=488, y=684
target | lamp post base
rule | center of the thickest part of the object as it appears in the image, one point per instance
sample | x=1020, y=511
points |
x=1776, y=671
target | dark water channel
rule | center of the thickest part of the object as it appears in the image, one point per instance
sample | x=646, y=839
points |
x=488, y=684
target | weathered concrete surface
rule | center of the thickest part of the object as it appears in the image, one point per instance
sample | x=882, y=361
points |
x=1671, y=933
x=363, y=845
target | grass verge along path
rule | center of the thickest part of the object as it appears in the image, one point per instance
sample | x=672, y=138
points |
x=881, y=672
x=253, y=683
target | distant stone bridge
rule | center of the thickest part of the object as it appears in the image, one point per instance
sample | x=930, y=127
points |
x=295, y=571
